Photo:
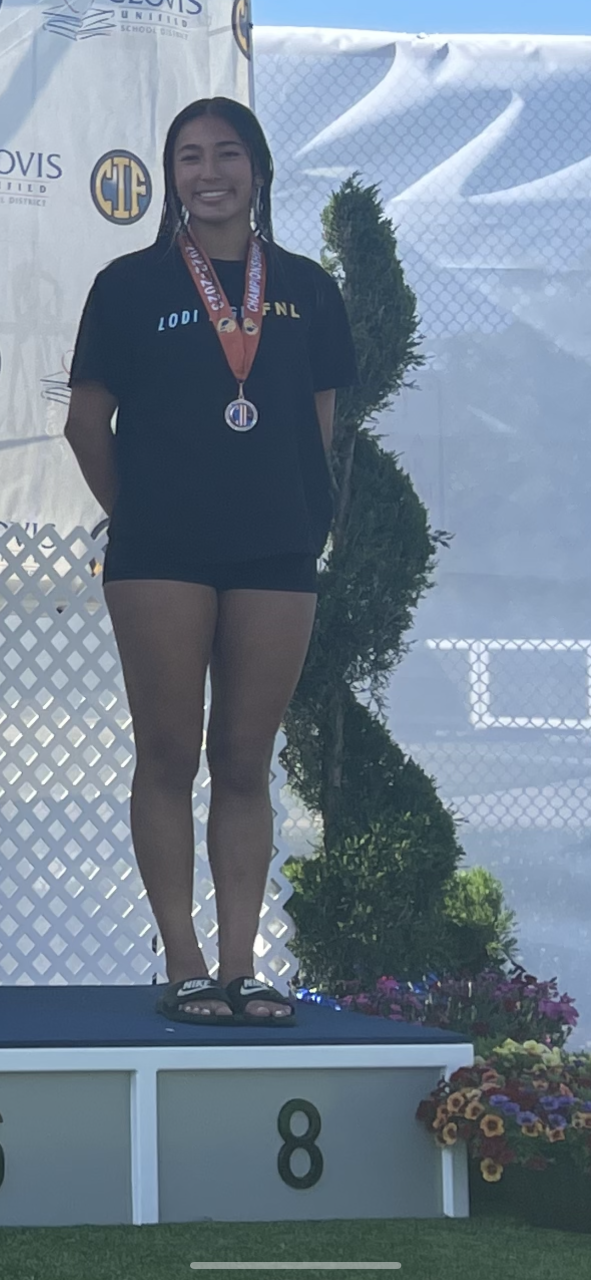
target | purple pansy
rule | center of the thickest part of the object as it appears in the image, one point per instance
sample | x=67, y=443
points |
x=527, y=1117
x=556, y=1121
x=510, y=1108
x=553, y=1103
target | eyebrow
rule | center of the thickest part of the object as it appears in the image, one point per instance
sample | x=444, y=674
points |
x=194, y=146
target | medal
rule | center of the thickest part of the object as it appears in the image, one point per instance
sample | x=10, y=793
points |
x=239, y=344
x=241, y=414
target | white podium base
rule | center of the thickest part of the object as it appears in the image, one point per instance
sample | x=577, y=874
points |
x=240, y=1125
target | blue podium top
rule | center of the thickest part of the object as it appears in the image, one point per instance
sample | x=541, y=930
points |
x=125, y=1016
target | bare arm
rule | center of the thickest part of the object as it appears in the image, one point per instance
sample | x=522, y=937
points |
x=88, y=431
x=325, y=406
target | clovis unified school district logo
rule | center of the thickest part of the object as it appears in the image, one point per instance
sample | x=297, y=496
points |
x=84, y=19
x=28, y=176
x=121, y=187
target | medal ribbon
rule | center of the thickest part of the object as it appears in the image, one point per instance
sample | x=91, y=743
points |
x=239, y=345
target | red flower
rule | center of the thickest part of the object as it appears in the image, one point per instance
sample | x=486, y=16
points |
x=463, y=1073
x=512, y=1088
x=425, y=1110
x=498, y=1149
x=494, y=1147
x=516, y=1093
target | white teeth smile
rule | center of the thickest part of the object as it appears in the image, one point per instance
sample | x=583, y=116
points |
x=211, y=195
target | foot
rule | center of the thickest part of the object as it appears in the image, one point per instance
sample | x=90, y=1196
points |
x=258, y=1008
x=182, y=973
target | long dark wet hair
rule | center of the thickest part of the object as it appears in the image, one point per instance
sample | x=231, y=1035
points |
x=244, y=121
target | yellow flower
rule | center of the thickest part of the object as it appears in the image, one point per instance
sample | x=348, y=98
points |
x=492, y=1126
x=581, y=1120
x=532, y=1130
x=508, y=1046
x=455, y=1102
x=473, y=1110
x=533, y=1047
x=490, y=1170
x=555, y=1135
x=450, y=1134
x=472, y=1093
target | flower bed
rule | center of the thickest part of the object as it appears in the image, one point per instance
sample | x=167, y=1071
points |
x=524, y=1109
x=524, y=1112
x=487, y=1008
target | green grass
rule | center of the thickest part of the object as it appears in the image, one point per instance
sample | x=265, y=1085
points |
x=480, y=1248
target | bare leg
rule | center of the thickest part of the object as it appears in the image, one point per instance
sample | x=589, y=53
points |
x=240, y=843
x=259, y=650
x=163, y=839
x=164, y=631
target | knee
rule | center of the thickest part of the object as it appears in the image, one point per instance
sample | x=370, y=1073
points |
x=168, y=760
x=240, y=763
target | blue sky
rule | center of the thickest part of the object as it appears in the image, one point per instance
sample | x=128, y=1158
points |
x=537, y=17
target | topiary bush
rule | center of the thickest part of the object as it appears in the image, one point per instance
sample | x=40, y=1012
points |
x=381, y=894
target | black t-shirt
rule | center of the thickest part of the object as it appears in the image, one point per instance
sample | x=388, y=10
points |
x=186, y=479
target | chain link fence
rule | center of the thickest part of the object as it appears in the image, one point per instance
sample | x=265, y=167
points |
x=480, y=150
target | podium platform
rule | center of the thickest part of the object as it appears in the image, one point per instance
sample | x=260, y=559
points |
x=112, y=1114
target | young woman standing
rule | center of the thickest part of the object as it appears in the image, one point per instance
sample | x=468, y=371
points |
x=221, y=352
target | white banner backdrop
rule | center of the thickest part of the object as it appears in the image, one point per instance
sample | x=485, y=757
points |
x=87, y=92
x=481, y=150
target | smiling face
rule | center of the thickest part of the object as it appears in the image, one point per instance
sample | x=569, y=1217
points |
x=213, y=173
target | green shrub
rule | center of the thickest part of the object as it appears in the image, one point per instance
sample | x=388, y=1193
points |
x=376, y=908
x=478, y=924
x=381, y=897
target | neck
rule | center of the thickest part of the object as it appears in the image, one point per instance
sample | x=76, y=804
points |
x=226, y=242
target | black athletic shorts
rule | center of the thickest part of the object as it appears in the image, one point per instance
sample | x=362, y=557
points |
x=294, y=572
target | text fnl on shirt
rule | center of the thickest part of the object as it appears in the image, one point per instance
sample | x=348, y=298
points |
x=191, y=317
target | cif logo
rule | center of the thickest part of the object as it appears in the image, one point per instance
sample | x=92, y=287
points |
x=121, y=187
x=241, y=26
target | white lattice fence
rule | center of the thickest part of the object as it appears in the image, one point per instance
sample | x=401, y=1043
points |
x=73, y=908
